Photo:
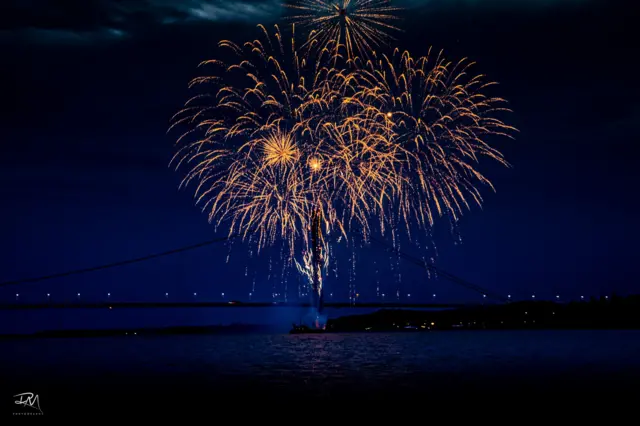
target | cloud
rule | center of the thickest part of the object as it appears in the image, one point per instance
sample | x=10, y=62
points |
x=235, y=11
x=63, y=36
x=488, y=3
x=86, y=21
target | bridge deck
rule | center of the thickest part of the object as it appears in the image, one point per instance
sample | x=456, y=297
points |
x=113, y=305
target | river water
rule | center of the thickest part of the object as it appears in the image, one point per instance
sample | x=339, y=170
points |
x=171, y=372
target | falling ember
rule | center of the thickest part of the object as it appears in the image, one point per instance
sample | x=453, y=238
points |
x=315, y=263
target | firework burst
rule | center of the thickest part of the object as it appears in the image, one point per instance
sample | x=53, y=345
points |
x=290, y=146
x=269, y=145
x=279, y=149
x=440, y=122
x=358, y=25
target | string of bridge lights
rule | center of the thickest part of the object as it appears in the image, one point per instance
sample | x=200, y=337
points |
x=195, y=294
x=406, y=256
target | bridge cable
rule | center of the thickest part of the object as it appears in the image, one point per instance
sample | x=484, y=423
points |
x=446, y=275
x=116, y=264
x=406, y=256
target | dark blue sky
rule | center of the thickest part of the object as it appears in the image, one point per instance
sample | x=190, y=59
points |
x=89, y=87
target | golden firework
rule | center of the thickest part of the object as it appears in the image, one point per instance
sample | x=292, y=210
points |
x=440, y=122
x=315, y=164
x=270, y=143
x=279, y=148
x=290, y=146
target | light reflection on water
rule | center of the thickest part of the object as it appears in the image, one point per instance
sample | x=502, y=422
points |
x=172, y=371
x=356, y=355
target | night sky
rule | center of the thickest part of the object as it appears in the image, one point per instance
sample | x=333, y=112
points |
x=89, y=87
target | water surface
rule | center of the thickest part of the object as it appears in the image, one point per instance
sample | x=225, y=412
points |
x=173, y=370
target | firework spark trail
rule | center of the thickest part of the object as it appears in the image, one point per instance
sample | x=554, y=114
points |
x=357, y=25
x=438, y=118
x=273, y=143
x=291, y=147
x=306, y=267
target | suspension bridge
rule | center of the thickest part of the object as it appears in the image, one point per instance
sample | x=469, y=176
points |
x=108, y=304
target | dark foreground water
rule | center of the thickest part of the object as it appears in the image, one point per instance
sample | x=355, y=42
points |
x=247, y=374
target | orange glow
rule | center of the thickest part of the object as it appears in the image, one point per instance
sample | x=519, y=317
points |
x=315, y=164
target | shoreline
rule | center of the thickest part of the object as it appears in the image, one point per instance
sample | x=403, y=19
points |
x=246, y=330
x=617, y=313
